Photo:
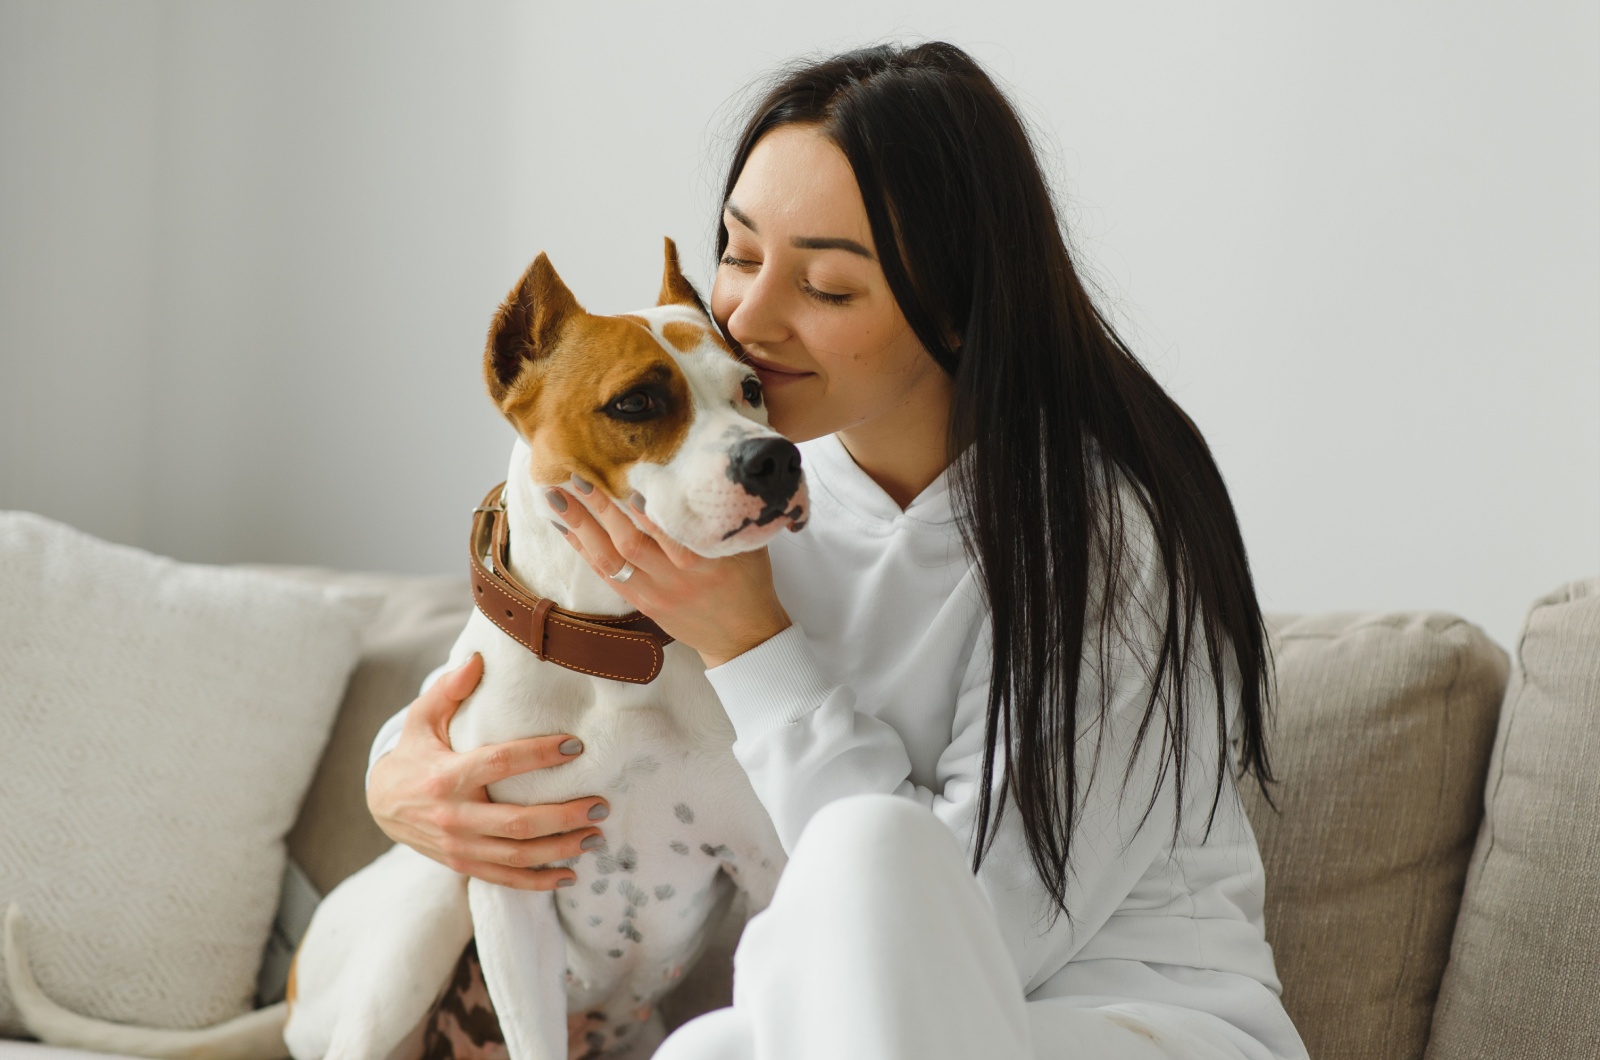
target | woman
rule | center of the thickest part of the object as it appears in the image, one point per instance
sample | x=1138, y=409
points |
x=1022, y=609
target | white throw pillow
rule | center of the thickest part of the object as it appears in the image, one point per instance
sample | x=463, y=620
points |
x=159, y=726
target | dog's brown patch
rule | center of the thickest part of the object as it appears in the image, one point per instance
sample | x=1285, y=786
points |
x=527, y=327
x=684, y=337
x=554, y=370
x=634, y=318
x=289, y=991
x=559, y=404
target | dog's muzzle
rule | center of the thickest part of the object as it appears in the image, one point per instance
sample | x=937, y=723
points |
x=767, y=468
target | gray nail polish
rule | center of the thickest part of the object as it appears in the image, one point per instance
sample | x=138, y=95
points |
x=599, y=812
x=559, y=526
x=583, y=485
x=557, y=501
x=566, y=881
x=570, y=746
x=637, y=500
x=593, y=842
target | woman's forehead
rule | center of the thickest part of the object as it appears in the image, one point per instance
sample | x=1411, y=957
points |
x=798, y=184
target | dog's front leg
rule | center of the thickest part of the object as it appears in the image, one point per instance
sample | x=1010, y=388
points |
x=378, y=953
x=524, y=959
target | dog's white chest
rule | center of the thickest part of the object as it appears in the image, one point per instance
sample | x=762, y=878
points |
x=684, y=830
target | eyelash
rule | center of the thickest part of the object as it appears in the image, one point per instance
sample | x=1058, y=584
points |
x=824, y=297
x=821, y=296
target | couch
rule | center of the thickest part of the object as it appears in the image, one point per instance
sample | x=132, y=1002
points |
x=1432, y=846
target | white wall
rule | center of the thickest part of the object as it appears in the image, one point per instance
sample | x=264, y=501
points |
x=248, y=251
x=248, y=255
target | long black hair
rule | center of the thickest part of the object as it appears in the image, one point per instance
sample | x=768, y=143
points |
x=975, y=255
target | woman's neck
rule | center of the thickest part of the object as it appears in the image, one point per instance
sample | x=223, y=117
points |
x=905, y=449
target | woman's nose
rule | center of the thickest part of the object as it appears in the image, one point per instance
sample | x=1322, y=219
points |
x=759, y=316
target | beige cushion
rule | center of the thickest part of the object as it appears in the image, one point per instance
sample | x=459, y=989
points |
x=417, y=622
x=161, y=722
x=1385, y=724
x=1524, y=976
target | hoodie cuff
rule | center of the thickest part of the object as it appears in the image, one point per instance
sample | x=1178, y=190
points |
x=777, y=682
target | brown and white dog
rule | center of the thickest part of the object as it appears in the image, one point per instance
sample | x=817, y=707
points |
x=653, y=403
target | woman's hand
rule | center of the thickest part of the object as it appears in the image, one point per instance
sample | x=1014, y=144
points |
x=434, y=800
x=719, y=607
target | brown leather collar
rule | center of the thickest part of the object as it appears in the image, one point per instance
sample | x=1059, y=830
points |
x=617, y=647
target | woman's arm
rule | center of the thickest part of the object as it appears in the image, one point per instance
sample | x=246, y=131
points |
x=805, y=740
x=435, y=800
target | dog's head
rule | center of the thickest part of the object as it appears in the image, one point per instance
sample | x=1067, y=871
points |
x=652, y=402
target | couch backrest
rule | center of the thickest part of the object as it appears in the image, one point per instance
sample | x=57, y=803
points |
x=1384, y=729
x=1524, y=975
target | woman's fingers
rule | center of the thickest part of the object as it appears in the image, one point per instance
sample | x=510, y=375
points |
x=607, y=537
x=501, y=820
x=515, y=845
x=677, y=554
x=438, y=703
x=497, y=761
x=530, y=853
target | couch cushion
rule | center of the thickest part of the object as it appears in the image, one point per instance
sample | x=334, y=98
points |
x=11, y=1050
x=162, y=721
x=1383, y=734
x=417, y=621
x=1524, y=975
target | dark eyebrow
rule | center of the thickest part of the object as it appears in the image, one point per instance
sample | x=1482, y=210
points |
x=739, y=215
x=805, y=242
x=831, y=243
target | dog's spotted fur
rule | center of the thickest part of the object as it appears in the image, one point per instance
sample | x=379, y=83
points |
x=463, y=1026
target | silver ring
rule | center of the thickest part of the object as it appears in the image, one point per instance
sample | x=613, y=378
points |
x=624, y=574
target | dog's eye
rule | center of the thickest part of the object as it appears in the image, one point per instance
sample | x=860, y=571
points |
x=752, y=392
x=635, y=403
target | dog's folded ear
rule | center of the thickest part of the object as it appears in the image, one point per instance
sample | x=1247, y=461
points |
x=527, y=326
x=675, y=288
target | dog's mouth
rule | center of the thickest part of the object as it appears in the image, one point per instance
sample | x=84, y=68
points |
x=796, y=516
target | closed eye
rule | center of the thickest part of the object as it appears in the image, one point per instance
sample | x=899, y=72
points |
x=824, y=296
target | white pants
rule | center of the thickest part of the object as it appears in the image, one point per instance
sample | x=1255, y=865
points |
x=880, y=945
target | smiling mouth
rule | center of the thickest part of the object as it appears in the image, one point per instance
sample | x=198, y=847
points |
x=796, y=514
x=764, y=366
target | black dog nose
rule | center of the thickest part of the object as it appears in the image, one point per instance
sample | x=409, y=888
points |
x=769, y=468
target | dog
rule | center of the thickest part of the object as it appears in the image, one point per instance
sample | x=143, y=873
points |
x=652, y=403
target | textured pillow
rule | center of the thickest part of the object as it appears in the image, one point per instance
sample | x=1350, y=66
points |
x=1385, y=724
x=161, y=722
x=1524, y=975
x=419, y=618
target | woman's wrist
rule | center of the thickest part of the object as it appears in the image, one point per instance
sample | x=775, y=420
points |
x=750, y=637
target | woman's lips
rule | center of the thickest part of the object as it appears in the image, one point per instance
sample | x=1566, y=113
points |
x=771, y=378
x=771, y=375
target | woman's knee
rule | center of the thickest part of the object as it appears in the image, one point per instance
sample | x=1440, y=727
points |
x=879, y=836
